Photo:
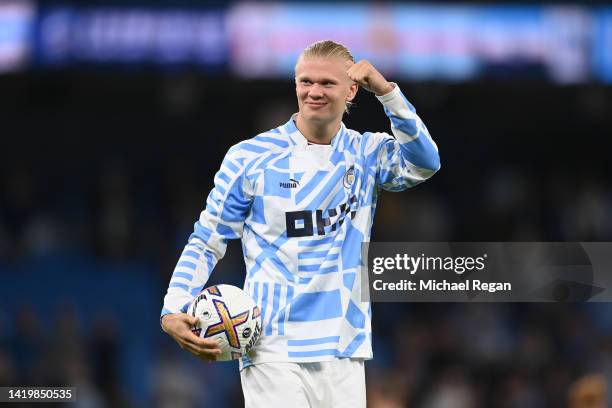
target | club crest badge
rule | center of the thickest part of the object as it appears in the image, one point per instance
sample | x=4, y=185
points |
x=349, y=177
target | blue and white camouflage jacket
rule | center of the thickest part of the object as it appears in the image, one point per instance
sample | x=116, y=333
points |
x=302, y=212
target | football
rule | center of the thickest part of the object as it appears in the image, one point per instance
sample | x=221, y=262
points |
x=229, y=315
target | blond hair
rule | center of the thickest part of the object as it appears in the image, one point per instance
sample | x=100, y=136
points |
x=327, y=49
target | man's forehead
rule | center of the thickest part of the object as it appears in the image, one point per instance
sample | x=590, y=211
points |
x=322, y=67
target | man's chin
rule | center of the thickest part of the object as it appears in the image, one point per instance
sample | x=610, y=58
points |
x=318, y=117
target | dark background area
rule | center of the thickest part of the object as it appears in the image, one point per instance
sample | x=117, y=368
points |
x=103, y=175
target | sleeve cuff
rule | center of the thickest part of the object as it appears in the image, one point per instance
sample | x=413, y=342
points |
x=391, y=96
x=164, y=312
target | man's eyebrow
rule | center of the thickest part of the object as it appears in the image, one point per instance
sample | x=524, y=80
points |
x=307, y=78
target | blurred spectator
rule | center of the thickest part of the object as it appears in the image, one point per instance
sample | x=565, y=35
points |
x=588, y=392
x=115, y=218
x=519, y=392
x=387, y=389
x=104, y=355
x=174, y=384
x=451, y=390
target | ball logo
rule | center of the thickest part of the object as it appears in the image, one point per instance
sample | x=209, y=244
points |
x=246, y=333
x=254, y=339
x=227, y=324
x=349, y=177
x=197, y=300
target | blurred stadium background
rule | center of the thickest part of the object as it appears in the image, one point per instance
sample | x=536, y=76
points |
x=115, y=116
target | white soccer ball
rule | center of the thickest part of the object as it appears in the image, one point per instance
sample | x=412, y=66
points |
x=229, y=315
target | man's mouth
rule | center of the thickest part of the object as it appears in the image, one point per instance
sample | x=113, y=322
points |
x=316, y=105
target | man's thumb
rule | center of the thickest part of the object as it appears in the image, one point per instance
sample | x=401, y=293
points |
x=193, y=320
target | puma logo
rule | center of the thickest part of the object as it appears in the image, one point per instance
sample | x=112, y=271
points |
x=293, y=183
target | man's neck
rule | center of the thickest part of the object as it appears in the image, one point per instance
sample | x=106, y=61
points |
x=317, y=133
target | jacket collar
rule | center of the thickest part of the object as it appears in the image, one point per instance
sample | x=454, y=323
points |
x=297, y=138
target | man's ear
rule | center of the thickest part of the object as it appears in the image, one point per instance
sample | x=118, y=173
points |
x=352, y=92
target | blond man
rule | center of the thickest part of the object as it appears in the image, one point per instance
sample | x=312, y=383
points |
x=302, y=198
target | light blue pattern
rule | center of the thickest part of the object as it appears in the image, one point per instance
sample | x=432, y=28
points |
x=282, y=314
x=275, y=300
x=179, y=285
x=186, y=264
x=272, y=184
x=183, y=275
x=314, y=306
x=314, y=341
x=278, y=142
x=310, y=255
x=355, y=316
x=334, y=182
x=192, y=254
x=310, y=186
x=348, y=279
x=329, y=269
x=224, y=177
x=354, y=345
x=258, y=211
x=308, y=268
x=313, y=353
x=317, y=242
x=264, y=304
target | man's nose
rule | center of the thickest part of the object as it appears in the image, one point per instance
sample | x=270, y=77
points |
x=315, y=91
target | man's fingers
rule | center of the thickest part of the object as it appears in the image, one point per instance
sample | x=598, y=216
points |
x=194, y=338
x=178, y=321
x=359, y=74
x=190, y=320
x=199, y=347
x=204, y=355
x=180, y=328
x=210, y=345
x=199, y=351
x=369, y=78
x=359, y=68
x=202, y=344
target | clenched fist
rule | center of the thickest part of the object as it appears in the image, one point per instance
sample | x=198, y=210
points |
x=368, y=77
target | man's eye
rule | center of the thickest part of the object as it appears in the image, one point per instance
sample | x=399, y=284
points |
x=305, y=82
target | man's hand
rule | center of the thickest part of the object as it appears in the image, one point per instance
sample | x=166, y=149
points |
x=368, y=77
x=178, y=326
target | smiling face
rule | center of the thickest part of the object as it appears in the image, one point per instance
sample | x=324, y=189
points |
x=323, y=88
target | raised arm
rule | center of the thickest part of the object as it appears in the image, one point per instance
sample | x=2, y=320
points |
x=411, y=156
